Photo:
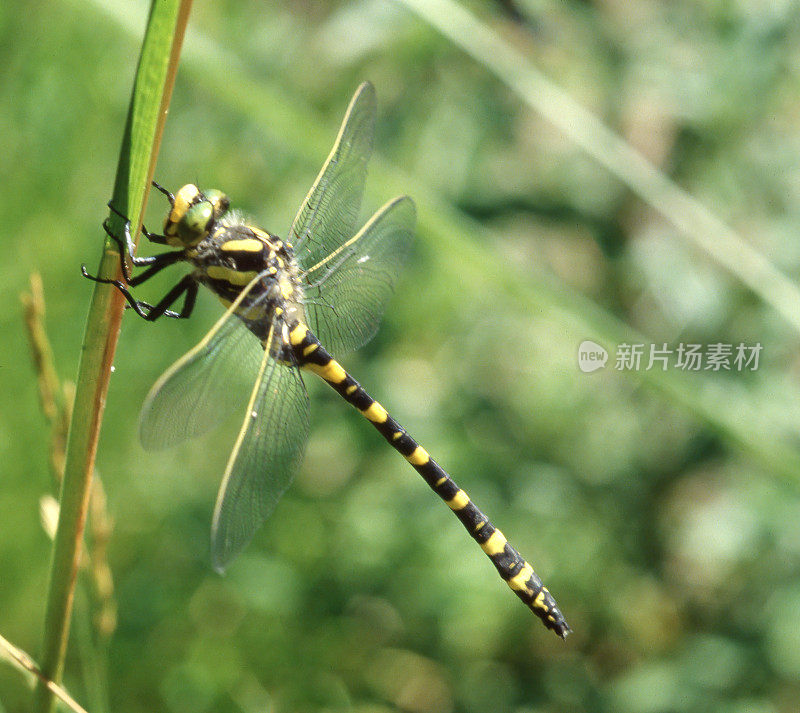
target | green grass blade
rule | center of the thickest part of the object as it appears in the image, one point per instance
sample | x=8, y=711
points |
x=151, y=94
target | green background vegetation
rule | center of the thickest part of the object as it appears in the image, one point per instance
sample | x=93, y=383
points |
x=667, y=527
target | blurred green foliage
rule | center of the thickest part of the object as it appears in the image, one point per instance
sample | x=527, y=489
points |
x=674, y=556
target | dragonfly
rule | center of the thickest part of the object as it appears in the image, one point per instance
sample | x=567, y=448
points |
x=290, y=305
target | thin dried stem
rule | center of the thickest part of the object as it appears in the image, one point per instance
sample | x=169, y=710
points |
x=26, y=664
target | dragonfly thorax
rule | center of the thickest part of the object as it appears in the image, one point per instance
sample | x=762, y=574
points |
x=233, y=255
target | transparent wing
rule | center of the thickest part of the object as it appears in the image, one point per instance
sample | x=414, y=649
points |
x=348, y=289
x=327, y=216
x=205, y=386
x=266, y=455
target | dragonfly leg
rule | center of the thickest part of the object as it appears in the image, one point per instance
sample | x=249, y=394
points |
x=145, y=310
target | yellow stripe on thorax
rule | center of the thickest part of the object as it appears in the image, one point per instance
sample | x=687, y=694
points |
x=246, y=245
x=234, y=277
x=263, y=236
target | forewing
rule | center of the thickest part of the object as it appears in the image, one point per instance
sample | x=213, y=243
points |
x=264, y=459
x=205, y=386
x=328, y=215
x=348, y=289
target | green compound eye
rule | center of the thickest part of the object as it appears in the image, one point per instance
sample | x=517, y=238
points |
x=219, y=201
x=195, y=225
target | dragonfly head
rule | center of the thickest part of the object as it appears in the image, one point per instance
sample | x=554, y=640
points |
x=193, y=215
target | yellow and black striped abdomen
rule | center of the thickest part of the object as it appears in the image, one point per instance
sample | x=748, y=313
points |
x=514, y=570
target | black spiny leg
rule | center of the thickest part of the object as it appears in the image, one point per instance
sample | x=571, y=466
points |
x=169, y=195
x=188, y=286
x=126, y=246
x=145, y=310
x=156, y=262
